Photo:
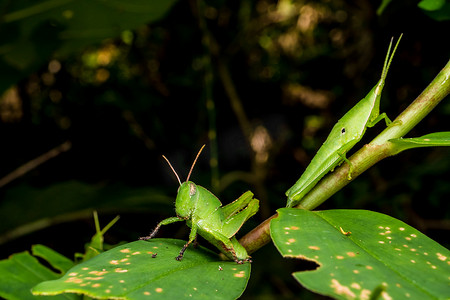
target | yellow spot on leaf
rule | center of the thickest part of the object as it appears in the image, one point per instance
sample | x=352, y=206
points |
x=146, y=293
x=380, y=242
x=365, y=294
x=114, y=262
x=84, y=269
x=351, y=254
x=369, y=267
x=120, y=270
x=355, y=286
x=136, y=253
x=123, y=259
x=98, y=273
x=125, y=250
x=158, y=290
x=386, y=296
x=413, y=235
x=407, y=238
x=107, y=291
x=94, y=278
x=413, y=261
x=339, y=257
x=314, y=247
x=441, y=257
x=295, y=228
x=291, y=240
x=74, y=280
x=240, y=274
x=356, y=271
x=95, y=285
x=341, y=289
x=401, y=229
x=73, y=274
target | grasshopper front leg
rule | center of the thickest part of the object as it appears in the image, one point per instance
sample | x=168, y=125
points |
x=192, y=238
x=163, y=222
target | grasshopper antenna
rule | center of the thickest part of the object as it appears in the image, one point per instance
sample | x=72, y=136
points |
x=170, y=165
x=193, y=164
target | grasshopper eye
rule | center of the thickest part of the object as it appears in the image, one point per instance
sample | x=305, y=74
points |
x=192, y=189
x=343, y=130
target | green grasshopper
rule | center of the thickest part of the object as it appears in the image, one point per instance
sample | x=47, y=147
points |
x=205, y=215
x=344, y=135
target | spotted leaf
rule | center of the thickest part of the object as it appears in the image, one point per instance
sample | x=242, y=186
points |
x=148, y=270
x=361, y=252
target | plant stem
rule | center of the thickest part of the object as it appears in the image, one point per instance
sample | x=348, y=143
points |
x=378, y=149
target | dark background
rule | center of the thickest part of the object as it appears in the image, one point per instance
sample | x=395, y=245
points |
x=122, y=102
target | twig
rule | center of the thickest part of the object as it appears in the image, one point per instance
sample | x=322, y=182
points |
x=32, y=164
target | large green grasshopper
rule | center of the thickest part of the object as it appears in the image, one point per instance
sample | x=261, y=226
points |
x=205, y=215
x=344, y=135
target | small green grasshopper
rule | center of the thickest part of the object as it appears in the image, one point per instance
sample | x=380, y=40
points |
x=205, y=215
x=344, y=135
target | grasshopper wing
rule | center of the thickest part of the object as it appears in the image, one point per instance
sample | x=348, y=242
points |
x=237, y=205
x=236, y=214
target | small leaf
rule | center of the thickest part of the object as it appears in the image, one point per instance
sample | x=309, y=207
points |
x=381, y=252
x=431, y=5
x=57, y=261
x=21, y=271
x=144, y=269
x=429, y=140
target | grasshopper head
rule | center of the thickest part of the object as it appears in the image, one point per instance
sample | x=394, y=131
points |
x=186, y=199
x=187, y=192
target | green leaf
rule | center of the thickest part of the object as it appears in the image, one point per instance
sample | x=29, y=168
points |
x=431, y=5
x=56, y=260
x=442, y=14
x=144, y=269
x=34, y=30
x=429, y=140
x=79, y=198
x=360, y=251
x=21, y=271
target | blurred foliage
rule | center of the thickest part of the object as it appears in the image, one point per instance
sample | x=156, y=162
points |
x=295, y=68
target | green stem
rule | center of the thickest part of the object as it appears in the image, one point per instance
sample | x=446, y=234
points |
x=378, y=149
x=207, y=42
